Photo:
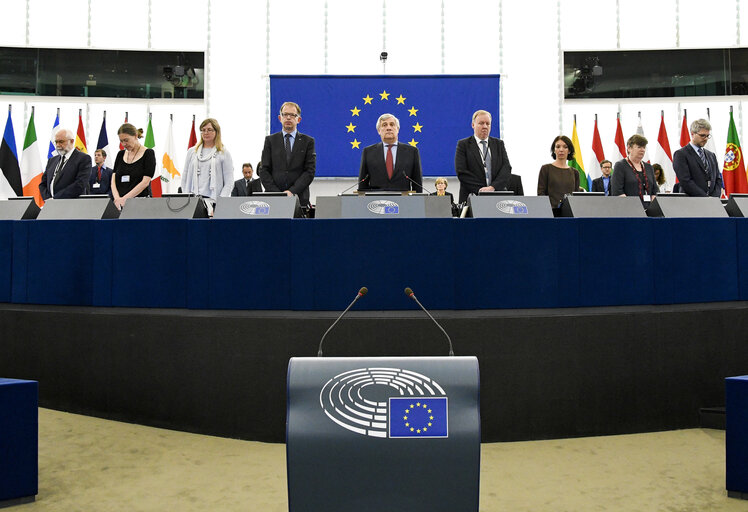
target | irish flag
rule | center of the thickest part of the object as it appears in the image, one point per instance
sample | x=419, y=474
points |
x=31, y=164
x=576, y=162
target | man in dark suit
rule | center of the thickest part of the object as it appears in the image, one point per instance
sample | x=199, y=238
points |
x=66, y=176
x=288, y=158
x=602, y=184
x=696, y=167
x=100, y=181
x=390, y=165
x=246, y=186
x=481, y=161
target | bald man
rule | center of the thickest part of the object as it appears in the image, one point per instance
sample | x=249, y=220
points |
x=66, y=176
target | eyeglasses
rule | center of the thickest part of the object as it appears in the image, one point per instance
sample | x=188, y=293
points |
x=63, y=141
x=204, y=130
x=707, y=136
x=288, y=115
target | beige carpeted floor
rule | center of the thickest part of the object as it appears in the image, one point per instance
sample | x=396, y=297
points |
x=89, y=464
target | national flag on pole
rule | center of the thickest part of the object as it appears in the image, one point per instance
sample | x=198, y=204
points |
x=10, y=178
x=619, y=140
x=80, y=136
x=640, y=131
x=193, y=135
x=103, y=142
x=577, y=162
x=31, y=164
x=685, y=136
x=711, y=146
x=52, y=151
x=734, y=176
x=151, y=143
x=597, y=156
x=663, y=155
x=170, y=177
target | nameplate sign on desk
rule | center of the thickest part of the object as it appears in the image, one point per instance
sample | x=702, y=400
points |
x=686, y=207
x=17, y=208
x=385, y=206
x=514, y=207
x=184, y=206
x=94, y=207
x=258, y=207
x=393, y=433
x=582, y=205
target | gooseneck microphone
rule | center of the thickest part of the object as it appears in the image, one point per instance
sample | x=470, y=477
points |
x=414, y=182
x=363, y=291
x=412, y=295
x=359, y=182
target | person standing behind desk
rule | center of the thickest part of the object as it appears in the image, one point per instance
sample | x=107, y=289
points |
x=695, y=166
x=66, y=175
x=288, y=158
x=100, y=181
x=133, y=168
x=602, y=184
x=632, y=176
x=390, y=165
x=557, y=179
x=246, y=186
x=208, y=167
x=478, y=154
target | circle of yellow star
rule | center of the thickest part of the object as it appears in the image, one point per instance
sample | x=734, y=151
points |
x=351, y=128
x=413, y=111
x=413, y=143
x=385, y=95
x=367, y=100
x=400, y=100
x=355, y=144
x=355, y=111
x=417, y=127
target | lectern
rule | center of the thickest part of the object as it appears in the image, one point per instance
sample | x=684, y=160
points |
x=383, y=433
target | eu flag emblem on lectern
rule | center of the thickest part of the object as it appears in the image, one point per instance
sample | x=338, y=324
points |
x=418, y=417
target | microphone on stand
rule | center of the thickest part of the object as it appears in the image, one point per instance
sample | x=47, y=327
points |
x=414, y=182
x=363, y=291
x=412, y=295
x=355, y=184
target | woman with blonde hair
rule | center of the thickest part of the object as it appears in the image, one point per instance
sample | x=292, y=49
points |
x=208, y=168
x=441, y=189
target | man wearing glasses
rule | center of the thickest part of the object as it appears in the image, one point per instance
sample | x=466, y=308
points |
x=602, y=184
x=66, y=176
x=288, y=158
x=696, y=167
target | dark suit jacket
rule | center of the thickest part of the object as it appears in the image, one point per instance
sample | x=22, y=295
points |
x=105, y=185
x=690, y=171
x=277, y=176
x=470, y=170
x=71, y=181
x=373, y=172
x=599, y=186
x=515, y=185
x=240, y=188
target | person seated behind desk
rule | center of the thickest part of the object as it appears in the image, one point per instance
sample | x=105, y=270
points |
x=246, y=186
x=441, y=189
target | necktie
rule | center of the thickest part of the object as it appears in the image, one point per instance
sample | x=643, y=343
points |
x=702, y=156
x=288, y=148
x=389, y=161
x=54, y=176
x=249, y=189
x=486, y=161
x=99, y=174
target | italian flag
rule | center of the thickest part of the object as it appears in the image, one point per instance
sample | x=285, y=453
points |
x=150, y=142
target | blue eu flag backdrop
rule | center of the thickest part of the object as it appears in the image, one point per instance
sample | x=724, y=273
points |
x=418, y=417
x=341, y=112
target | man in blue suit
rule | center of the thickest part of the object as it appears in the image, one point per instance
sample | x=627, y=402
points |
x=696, y=167
x=100, y=181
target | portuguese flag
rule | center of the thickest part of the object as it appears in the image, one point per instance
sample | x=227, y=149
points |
x=733, y=171
x=576, y=162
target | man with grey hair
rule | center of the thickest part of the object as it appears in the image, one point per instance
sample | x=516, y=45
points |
x=390, y=165
x=481, y=162
x=695, y=166
x=66, y=175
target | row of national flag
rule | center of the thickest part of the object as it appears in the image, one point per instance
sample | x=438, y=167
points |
x=21, y=176
x=733, y=172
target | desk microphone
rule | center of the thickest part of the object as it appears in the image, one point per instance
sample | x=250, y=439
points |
x=414, y=182
x=363, y=291
x=355, y=184
x=412, y=295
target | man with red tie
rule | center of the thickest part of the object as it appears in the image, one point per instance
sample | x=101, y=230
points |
x=390, y=165
x=100, y=181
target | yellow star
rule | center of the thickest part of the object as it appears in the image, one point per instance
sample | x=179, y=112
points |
x=424, y=406
x=418, y=431
x=431, y=417
x=400, y=100
x=413, y=111
x=355, y=144
x=417, y=127
x=411, y=406
x=418, y=404
x=425, y=429
x=407, y=424
x=385, y=95
x=429, y=411
x=351, y=128
x=407, y=411
x=429, y=423
x=414, y=143
x=411, y=429
x=355, y=111
x=367, y=100
x=405, y=417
